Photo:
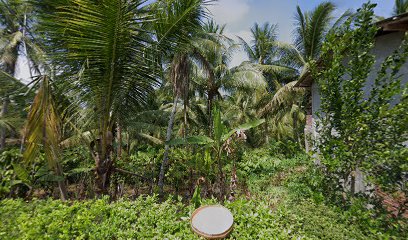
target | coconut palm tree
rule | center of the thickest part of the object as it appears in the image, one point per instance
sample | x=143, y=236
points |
x=263, y=46
x=310, y=31
x=206, y=56
x=13, y=24
x=264, y=50
x=103, y=48
x=284, y=111
x=309, y=34
x=400, y=7
x=177, y=24
x=213, y=54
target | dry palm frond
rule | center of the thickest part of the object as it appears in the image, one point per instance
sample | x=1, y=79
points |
x=43, y=126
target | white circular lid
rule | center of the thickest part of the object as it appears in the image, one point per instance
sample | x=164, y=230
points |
x=212, y=220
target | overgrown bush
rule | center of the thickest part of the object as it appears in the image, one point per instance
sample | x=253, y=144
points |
x=14, y=178
x=360, y=131
x=144, y=218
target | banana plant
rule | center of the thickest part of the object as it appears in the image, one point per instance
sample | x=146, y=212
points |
x=220, y=140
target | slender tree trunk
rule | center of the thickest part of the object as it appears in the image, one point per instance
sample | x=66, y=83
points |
x=353, y=183
x=61, y=184
x=3, y=113
x=22, y=142
x=167, y=147
x=266, y=132
x=128, y=142
x=119, y=149
x=209, y=111
x=222, y=177
x=185, y=119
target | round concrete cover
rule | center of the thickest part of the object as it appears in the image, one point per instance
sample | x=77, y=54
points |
x=212, y=220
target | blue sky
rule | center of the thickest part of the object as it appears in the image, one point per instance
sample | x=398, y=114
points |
x=240, y=15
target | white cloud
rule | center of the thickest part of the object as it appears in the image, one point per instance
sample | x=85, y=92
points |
x=229, y=11
x=239, y=55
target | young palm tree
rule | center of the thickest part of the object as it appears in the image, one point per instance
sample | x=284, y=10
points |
x=105, y=48
x=401, y=6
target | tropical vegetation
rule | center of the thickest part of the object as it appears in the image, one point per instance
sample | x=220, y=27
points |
x=133, y=116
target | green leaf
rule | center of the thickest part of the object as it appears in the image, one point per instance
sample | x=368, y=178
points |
x=80, y=170
x=200, y=140
x=218, y=126
x=21, y=172
x=243, y=127
x=15, y=182
x=51, y=178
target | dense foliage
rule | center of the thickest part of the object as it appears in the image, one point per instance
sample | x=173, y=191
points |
x=281, y=210
x=133, y=102
x=362, y=131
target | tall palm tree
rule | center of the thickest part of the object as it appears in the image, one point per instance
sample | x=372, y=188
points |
x=213, y=54
x=310, y=31
x=263, y=47
x=177, y=24
x=207, y=54
x=104, y=47
x=400, y=7
x=264, y=50
x=284, y=111
x=13, y=23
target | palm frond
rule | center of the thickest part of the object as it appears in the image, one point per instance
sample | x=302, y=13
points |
x=43, y=131
x=284, y=98
x=246, y=76
x=401, y=6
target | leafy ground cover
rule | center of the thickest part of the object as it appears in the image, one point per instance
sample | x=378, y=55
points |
x=281, y=204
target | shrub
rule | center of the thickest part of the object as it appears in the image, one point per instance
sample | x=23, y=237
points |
x=145, y=218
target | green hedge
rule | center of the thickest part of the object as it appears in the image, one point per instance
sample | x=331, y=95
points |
x=145, y=218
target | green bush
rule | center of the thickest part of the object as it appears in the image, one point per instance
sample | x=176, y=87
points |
x=145, y=218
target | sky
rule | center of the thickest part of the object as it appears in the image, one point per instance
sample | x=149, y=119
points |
x=240, y=15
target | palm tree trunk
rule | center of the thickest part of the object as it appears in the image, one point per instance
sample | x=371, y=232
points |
x=3, y=113
x=104, y=163
x=167, y=147
x=119, y=147
x=185, y=119
x=209, y=111
x=221, y=175
x=61, y=184
x=266, y=132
